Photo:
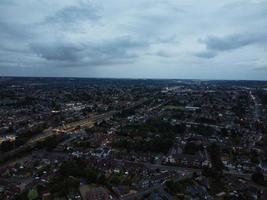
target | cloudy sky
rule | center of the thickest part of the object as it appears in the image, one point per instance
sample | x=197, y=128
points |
x=205, y=39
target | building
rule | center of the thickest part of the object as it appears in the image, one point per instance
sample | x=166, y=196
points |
x=95, y=193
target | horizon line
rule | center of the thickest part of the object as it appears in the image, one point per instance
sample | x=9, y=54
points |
x=125, y=78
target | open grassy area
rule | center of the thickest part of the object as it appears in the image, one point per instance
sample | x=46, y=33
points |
x=172, y=107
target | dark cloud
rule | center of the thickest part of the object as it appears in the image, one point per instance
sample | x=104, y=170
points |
x=14, y=31
x=57, y=52
x=215, y=44
x=7, y=2
x=233, y=41
x=163, y=54
x=71, y=14
x=206, y=54
x=261, y=68
x=118, y=50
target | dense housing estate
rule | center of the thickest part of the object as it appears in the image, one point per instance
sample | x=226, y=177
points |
x=65, y=138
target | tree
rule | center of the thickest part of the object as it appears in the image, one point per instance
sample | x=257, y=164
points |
x=32, y=194
x=258, y=177
x=7, y=146
x=115, y=180
x=191, y=148
x=216, y=170
x=215, y=156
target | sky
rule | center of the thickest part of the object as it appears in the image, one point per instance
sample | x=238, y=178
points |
x=178, y=39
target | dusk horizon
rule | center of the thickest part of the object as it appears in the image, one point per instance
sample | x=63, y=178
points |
x=133, y=78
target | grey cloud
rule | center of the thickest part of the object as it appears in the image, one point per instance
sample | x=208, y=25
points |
x=249, y=10
x=62, y=34
x=167, y=39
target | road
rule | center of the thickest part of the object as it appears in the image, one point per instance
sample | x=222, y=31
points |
x=192, y=170
x=257, y=108
x=157, y=187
